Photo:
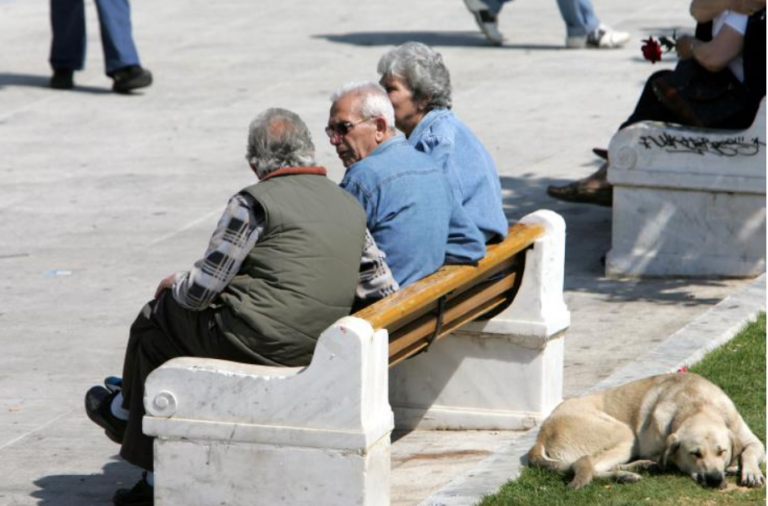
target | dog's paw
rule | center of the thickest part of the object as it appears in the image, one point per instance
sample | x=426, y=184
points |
x=732, y=471
x=579, y=482
x=627, y=477
x=752, y=477
x=641, y=465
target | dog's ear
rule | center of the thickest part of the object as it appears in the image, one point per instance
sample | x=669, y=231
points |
x=673, y=443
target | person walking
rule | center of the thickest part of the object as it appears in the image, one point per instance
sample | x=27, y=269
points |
x=121, y=59
x=584, y=29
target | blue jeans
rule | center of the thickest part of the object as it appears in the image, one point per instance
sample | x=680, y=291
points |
x=579, y=15
x=68, y=24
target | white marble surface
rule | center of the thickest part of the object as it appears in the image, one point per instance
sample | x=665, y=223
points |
x=233, y=434
x=506, y=373
x=666, y=232
x=538, y=312
x=672, y=156
x=688, y=202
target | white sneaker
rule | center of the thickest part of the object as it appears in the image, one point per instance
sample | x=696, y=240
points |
x=487, y=22
x=602, y=38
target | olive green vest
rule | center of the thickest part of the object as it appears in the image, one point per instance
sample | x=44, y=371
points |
x=301, y=275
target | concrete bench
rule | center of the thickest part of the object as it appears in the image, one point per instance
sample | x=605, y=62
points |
x=232, y=434
x=688, y=202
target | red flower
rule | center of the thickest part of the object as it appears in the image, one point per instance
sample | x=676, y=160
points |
x=651, y=50
x=682, y=369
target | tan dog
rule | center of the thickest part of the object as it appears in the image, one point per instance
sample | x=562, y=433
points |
x=679, y=419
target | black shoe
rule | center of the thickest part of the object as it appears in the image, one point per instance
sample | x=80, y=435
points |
x=113, y=384
x=98, y=407
x=142, y=494
x=131, y=78
x=62, y=79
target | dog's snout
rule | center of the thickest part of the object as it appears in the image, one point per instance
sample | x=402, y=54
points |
x=715, y=480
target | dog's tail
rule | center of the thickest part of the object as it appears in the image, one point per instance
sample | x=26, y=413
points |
x=537, y=457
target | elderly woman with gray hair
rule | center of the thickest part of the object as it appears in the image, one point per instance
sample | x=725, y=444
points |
x=419, y=86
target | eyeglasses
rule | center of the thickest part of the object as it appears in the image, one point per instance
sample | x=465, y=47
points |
x=342, y=129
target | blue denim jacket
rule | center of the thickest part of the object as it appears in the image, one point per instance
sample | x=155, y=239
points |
x=411, y=212
x=468, y=166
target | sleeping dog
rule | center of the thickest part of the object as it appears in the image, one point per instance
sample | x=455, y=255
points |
x=679, y=419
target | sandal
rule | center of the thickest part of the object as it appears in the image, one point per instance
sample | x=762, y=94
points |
x=579, y=192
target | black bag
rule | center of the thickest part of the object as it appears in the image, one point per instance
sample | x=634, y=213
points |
x=699, y=97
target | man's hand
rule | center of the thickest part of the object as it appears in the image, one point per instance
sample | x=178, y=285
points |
x=684, y=46
x=747, y=7
x=165, y=284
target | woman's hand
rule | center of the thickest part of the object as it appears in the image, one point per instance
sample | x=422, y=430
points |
x=747, y=7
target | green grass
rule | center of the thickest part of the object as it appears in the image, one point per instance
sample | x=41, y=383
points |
x=739, y=369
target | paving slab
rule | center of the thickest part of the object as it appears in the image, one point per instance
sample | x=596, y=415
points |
x=103, y=195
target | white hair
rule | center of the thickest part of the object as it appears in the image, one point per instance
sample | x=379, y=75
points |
x=375, y=101
x=423, y=70
x=278, y=138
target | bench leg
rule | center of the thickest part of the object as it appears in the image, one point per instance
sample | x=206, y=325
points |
x=506, y=373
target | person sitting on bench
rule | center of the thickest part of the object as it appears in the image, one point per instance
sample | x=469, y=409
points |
x=719, y=82
x=419, y=86
x=410, y=208
x=282, y=266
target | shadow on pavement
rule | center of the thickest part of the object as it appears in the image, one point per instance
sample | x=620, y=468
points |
x=436, y=39
x=588, y=239
x=33, y=81
x=86, y=489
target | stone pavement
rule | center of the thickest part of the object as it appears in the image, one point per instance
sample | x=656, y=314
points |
x=103, y=195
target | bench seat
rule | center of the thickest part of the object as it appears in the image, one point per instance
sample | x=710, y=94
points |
x=232, y=434
x=688, y=202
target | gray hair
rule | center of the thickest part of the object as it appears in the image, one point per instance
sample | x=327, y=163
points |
x=422, y=69
x=278, y=138
x=375, y=101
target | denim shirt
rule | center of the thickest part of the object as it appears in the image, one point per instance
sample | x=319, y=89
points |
x=411, y=212
x=468, y=166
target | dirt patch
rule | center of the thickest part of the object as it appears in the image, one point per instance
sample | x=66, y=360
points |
x=449, y=455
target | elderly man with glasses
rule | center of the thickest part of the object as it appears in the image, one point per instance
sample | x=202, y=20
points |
x=410, y=208
x=283, y=264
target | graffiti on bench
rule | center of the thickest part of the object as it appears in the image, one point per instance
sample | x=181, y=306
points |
x=729, y=147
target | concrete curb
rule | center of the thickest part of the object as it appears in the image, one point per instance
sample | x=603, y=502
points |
x=685, y=347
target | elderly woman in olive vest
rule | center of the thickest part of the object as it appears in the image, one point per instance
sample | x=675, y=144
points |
x=282, y=265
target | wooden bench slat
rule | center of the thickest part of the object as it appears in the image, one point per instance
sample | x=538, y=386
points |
x=473, y=303
x=410, y=316
x=415, y=298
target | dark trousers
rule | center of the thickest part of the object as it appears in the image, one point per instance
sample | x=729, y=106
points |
x=68, y=25
x=650, y=108
x=162, y=331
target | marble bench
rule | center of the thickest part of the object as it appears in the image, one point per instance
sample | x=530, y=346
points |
x=233, y=434
x=688, y=202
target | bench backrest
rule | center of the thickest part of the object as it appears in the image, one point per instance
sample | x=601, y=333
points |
x=452, y=297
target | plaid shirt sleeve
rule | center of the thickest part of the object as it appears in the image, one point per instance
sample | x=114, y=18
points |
x=237, y=232
x=376, y=280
